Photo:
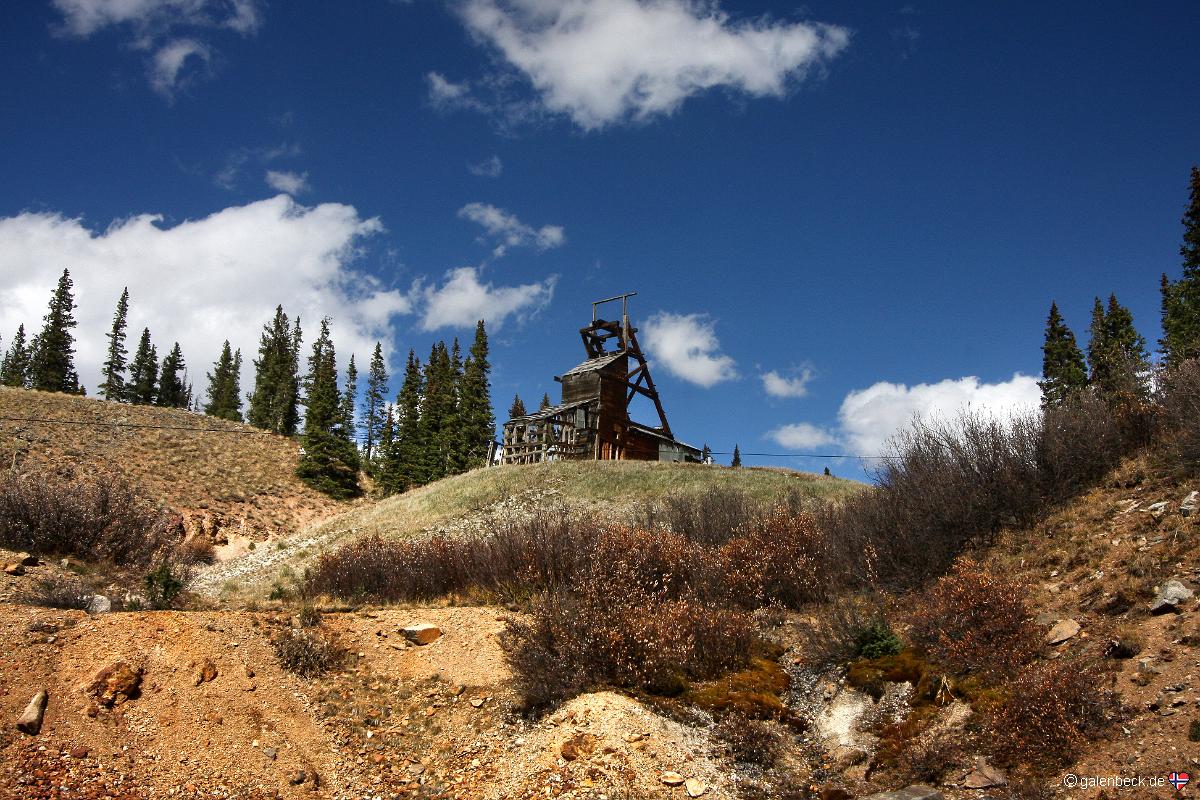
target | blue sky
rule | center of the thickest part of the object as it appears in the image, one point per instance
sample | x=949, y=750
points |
x=835, y=214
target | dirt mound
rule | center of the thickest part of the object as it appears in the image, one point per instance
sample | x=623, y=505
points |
x=228, y=481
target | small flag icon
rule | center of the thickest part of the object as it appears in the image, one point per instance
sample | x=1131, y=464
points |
x=1178, y=779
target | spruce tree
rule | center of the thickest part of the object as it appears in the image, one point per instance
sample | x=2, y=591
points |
x=1181, y=299
x=274, y=403
x=545, y=402
x=737, y=457
x=438, y=414
x=14, y=371
x=1118, y=363
x=476, y=420
x=53, y=365
x=1064, y=371
x=403, y=463
x=376, y=410
x=143, y=372
x=173, y=390
x=224, y=386
x=348, y=425
x=329, y=462
x=113, y=387
x=517, y=409
x=705, y=453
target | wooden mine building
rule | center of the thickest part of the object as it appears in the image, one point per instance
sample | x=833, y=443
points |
x=592, y=421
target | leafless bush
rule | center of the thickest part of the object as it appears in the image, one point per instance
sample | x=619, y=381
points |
x=947, y=484
x=1179, y=418
x=197, y=550
x=750, y=741
x=1051, y=710
x=839, y=631
x=97, y=518
x=57, y=591
x=973, y=620
x=711, y=517
x=308, y=652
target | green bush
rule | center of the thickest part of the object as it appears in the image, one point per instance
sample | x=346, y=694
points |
x=164, y=585
x=877, y=640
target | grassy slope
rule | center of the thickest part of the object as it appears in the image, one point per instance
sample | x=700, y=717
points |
x=243, y=480
x=622, y=484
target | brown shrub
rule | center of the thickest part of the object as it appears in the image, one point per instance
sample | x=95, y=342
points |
x=1051, y=710
x=1178, y=424
x=197, y=550
x=97, y=518
x=57, y=591
x=750, y=741
x=711, y=517
x=308, y=652
x=779, y=558
x=973, y=620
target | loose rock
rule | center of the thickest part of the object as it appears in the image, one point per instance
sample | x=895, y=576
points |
x=1062, y=631
x=31, y=721
x=421, y=633
x=578, y=746
x=116, y=683
x=99, y=604
x=915, y=792
x=14, y=569
x=695, y=787
x=1188, y=506
x=1169, y=597
x=671, y=778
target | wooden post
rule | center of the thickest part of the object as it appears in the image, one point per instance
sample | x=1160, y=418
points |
x=31, y=721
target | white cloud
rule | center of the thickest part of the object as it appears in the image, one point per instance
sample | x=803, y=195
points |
x=488, y=168
x=778, y=385
x=444, y=92
x=167, y=74
x=802, y=436
x=463, y=300
x=606, y=61
x=293, y=183
x=687, y=345
x=201, y=281
x=510, y=231
x=869, y=417
x=154, y=25
x=227, y=176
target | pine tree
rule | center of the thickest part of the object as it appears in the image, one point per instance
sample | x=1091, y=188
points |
x=1118, y=363
x=274, y=403
x=438, y=411
x=827, y=473
x=376, y=411
x=477, y=422
x=1181, y=299
x=329, y=462
x=402, y=465
x=173, y=390
x=737, y=457
x=517, y=409
x=113, y=387
x=14, y=371
x=545, y=402
x=1063, y=369
x=224, y=386
x=143, y=372
x=705, y=453
x=53, y=365
x=348, y=425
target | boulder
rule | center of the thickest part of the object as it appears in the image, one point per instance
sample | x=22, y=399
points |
x=421, y=632
x=915, y=792
x=1063, y=630
x=984, y=776
x=116, y=683
x=1169, y=597
x=1188, y=506
x=99, y=604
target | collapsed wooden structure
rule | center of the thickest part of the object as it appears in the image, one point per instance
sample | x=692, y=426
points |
x=592, y=422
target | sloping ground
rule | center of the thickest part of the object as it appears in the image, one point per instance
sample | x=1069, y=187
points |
x=237, y=482
x=475, y=501
x=399, y=721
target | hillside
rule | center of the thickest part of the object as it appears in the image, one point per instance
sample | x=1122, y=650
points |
x=229, y=482
x=477, y=500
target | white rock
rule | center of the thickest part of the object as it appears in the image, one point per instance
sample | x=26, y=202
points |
x=99, y=604
x=421, y=632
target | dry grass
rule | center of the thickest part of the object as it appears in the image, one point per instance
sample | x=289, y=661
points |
x=242, y=477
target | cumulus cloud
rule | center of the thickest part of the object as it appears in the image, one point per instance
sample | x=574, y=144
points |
x=802, y=436
x=201, y=281
x=687, y=345
x=869, y=417
x=488, y=168
x=292, y=183
x=463, y=299
x=601, y=62
x=509, y=231
x=777, y=384
x=155, y=25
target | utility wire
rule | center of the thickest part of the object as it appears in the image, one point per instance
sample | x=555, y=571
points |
x=792, y=455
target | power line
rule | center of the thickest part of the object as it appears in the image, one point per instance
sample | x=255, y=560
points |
x=793, y=455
